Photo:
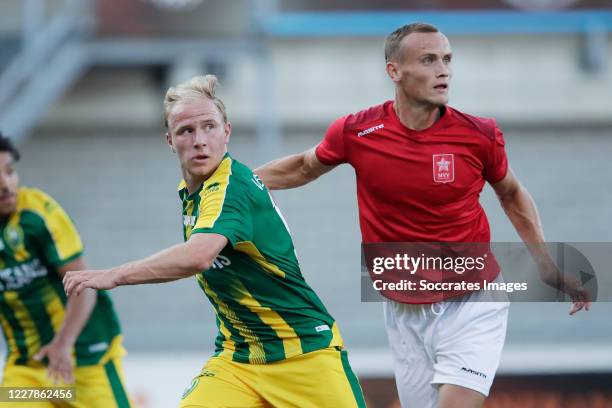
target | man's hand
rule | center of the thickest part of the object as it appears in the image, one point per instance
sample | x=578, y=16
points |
x=522, y=212
x=578, y=306
x=76, y=281
x=551, y=275
x=581, y=298
x=60, y=362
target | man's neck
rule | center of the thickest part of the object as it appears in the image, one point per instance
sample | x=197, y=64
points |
x=192, y=183
x=416, y=116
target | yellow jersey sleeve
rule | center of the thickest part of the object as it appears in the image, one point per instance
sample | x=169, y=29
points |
x=58, y=238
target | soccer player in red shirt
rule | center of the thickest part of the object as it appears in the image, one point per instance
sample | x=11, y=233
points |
x=420, y=168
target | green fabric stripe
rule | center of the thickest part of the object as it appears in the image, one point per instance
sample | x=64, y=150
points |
x=17, y=331
x=121, y=397
x=102, y=326
x=35, y=304
x=220, y=338
x=196, y=201
x=272, y=344
x=282, y=296
x=194, y=210
x=239, y=341
x=44, y=240
x=352, y=379
x=57, y=286
x=48, y=294
x=196, y=206
x=260, y=289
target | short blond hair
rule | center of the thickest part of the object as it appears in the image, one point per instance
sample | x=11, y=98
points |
x=201, y=86
x=393, y=40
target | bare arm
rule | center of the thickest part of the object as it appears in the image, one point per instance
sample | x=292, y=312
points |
x=177, y=262
x=292, y=171
x=78, y=310
x=522, y=212
x=520, y=208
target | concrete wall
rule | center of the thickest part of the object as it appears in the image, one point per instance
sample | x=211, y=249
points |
x=517, y=79
x=520, y=80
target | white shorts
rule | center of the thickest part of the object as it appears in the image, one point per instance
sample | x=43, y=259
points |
x=449, y=342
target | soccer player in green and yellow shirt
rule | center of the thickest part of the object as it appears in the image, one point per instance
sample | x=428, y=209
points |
x=51, y=339
x=277, y=344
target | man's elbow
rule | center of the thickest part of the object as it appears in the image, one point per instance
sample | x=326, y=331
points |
x=307, y=175
x=506, y=198
x=201, y=251
x=200, y=264
x=312, y=170
x=195, y=260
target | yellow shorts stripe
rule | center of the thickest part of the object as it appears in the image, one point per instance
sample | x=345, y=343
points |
x=325, y=380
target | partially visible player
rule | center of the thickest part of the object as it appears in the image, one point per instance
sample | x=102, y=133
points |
x=277, y=344
x=51, y=339
x=420, y=167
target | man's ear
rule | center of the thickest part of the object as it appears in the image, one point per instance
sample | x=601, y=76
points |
x=393, y=71
x=169, y=141
x=228, y=132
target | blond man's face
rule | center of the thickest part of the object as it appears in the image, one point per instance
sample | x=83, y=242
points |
x=198, y=134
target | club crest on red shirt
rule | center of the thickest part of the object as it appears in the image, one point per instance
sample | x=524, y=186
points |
x=443, y=168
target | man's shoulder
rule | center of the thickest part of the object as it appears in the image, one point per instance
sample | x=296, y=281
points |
x=36, y=209
x=242, y=175
x=366, y=116
x=233, y=178
x=32, y=194
x=35, y=200
x=239, y=170
x=484, y=126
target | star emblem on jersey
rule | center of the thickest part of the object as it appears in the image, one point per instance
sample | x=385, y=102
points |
x=443, y=165
x=443, y=168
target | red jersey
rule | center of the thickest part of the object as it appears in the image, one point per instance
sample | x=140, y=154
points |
x=418, y=186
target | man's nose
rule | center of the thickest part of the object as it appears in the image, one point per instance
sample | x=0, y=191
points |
x=443, y=69
x=199, y=138
x=3, y=181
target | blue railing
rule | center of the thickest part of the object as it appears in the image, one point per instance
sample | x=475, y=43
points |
x=321, y=24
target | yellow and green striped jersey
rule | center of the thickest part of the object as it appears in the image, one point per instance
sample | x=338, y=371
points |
x=35, y=240
x=265, y=309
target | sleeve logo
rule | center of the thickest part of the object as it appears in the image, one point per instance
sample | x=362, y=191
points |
x=212, y=187
x=260, y=185
x=370, y=130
